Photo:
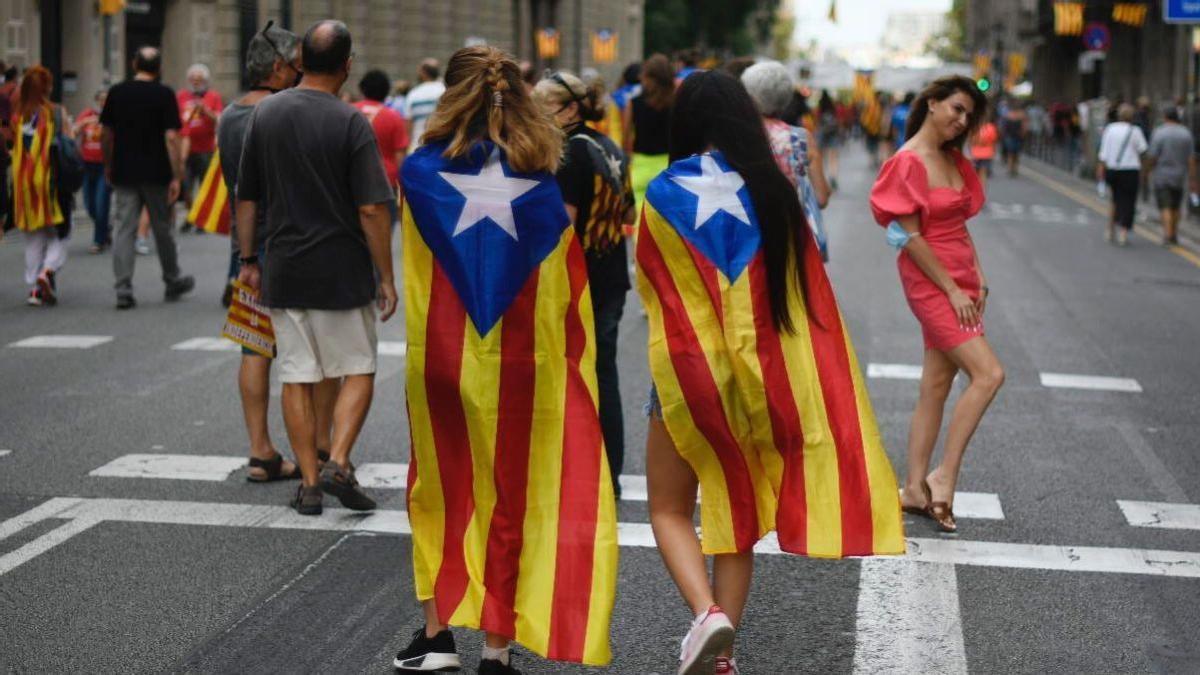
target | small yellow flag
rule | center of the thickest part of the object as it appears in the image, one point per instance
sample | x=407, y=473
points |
x=111, y=7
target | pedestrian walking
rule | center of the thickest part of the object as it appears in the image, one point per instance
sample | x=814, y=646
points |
x=1171, y=159
x=422, y=100
x=1118, y=165
x=923, y=196
x=646, y=121
x=143, y=162
x=829, y=136
x=200, y=108
x=757, y=399
x=272, y=61
x=97, y=194
x=1013, y=128
x=38, y=200
x=509, y=499
x=391, y=131
x=595, y=184
x=771, y=86
x=981, y=147
x=312, y=163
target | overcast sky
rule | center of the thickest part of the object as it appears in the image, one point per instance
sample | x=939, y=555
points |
x=860, y=22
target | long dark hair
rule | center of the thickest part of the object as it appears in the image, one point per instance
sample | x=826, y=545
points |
x=940, y=90
x=712, y=109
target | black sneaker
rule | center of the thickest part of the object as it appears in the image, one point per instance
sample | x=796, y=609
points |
x=429, y=655
x=308, y=501
x=494, y=667
x=341, y=484
x=126, y=302
x=179, y=287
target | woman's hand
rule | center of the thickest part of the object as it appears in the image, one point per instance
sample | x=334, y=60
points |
x=981, y=303
x=964, y=308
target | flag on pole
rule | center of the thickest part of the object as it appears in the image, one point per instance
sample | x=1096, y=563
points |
x=1130, y=13
x=777, y=426
x=210, y=208
x=111, y=7
x=604, y=46
x=510, y=499
x=1068, y=18
x=548, y=41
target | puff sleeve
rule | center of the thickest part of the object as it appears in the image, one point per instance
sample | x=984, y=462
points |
x=900, y=190
x=973, y=187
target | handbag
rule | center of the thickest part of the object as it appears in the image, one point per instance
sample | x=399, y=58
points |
x=66, y=160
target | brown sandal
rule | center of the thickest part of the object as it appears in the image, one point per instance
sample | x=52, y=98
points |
x=923, y=511
x=943, y=515
x=273, y=470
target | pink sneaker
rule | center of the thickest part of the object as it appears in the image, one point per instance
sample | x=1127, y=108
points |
x=711, y=634
x=726, y=666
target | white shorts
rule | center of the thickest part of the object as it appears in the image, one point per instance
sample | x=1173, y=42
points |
x=315, y=344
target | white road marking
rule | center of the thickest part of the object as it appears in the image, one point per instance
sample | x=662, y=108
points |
x=1091, y=382
x=958, y=552
x=894, y=371
x=383, y=475
x=178, y=467
x=207, y=344
x=14, y=559
x=5, y=452
x=62, y=341
x=393, y=348
x=978, y=505
x=1159, y=474
x=1161, y=514
x=908, y=618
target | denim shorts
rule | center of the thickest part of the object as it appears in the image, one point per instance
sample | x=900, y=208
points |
x=653, y=407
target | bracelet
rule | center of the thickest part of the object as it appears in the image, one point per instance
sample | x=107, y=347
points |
x=986, y=290
x=249, y=260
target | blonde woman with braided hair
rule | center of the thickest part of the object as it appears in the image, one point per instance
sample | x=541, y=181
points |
x=509, y=493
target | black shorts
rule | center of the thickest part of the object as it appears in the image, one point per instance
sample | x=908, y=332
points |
x=1168, y=197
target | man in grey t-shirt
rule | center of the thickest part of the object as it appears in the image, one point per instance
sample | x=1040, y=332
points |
x=1172, y=164
x=314, y=162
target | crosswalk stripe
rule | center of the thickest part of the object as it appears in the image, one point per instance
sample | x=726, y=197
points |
x=207, y=344
x=178, y=467
x=62, y=341
x=908, y=618
x=1161, y=514
x=948, y=551
x=1091, y=382
x=893, y=371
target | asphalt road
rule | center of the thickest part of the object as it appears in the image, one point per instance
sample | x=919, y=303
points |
x=116, y=573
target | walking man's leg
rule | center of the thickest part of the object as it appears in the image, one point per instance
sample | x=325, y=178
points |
x=300, y=420
x=608, y=312
x=160, y=225
x=127, y=209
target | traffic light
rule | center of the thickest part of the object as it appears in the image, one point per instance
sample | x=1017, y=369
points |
x=984, y=84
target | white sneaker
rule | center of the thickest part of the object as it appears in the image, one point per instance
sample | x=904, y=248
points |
x=142, y=247
x=726, y=666
x=711, y=634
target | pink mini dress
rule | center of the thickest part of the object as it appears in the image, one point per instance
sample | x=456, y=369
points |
x=902, y=189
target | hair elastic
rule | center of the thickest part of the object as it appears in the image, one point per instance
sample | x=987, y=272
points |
x=497, y=99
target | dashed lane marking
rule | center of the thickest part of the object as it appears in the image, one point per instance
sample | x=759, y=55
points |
x=178, y=467
x=1091, y=382
x=86, y=513
x=4, y=453
x=909, y=619
x=62, y=341
x=1161, y=514
x=893, y=371
x=207, y=344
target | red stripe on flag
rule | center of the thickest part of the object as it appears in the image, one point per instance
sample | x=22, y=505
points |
x=204, y=213
x=514, y=428
x=841, y=409
x=583, y=450
x=444, y=333
x=708, y=272
x=791, y=520
x=224, y=221
x=701, y=393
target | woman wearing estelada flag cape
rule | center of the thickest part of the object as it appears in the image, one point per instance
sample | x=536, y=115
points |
x=757, y=399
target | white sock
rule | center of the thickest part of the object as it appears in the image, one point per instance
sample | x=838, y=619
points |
x=494, y=654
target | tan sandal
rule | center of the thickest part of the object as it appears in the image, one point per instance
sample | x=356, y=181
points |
x=923, y=511
x=943, y=515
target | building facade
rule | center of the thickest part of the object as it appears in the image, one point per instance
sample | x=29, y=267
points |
x=91, y=50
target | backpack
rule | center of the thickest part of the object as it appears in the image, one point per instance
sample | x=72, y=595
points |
x=66, y=160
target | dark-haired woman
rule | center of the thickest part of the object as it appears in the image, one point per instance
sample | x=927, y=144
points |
x=924, y=196
x=594, y=179
x=757, y=395
x=646, y=123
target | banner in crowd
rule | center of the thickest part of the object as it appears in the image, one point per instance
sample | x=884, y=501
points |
x=248, y=323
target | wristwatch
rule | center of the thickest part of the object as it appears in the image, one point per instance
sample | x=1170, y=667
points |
x=249, y=260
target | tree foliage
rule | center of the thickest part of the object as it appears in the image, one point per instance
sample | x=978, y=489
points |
x=729, y=27
x=951, y=44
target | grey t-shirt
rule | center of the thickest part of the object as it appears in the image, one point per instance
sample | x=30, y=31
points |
x=230, y=132
x=1171, y=146
x=312, y=159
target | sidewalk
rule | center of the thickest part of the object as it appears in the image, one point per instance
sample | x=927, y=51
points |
x=1147, y=222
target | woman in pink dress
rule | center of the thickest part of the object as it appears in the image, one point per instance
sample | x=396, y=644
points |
x=923, y=196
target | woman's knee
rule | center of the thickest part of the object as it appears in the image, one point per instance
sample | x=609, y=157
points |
x=990, y=378
x=936, y=387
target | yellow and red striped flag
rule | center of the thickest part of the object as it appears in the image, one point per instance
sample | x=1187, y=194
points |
x=210, y=208
x=35, y=196
x=510, y=499
x=1068, y=18
x=777, y=426
x=1130, y=13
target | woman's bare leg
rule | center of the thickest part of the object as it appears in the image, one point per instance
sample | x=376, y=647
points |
x=937, y=377
x=987, y=376
x=671, y=485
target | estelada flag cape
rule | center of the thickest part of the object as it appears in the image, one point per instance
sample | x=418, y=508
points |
x=35, y=196
x=777, y=426
x=509, y=495
x=210, y=209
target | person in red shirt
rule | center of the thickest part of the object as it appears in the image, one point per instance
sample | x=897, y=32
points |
x=391, y=131
x=199, y=108
x=95, y=188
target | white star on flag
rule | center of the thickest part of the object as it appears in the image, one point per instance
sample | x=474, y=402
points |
x=489, y=194
x=716, y=189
